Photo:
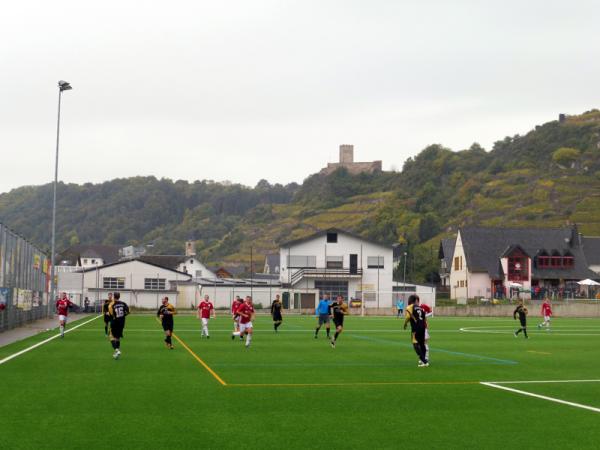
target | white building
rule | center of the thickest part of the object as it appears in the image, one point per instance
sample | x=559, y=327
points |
x=141, y=284
x=337, y=262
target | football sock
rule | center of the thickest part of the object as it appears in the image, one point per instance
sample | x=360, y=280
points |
x=317, y=331
x=168, y=340
x=62, y=330
x=427, y=352
x=248, y=338
x=118, y=344
x=105, y=329
x=525, y=332
x=335, y=336
x=327, y=329
x=114, y=344
x=205, y=330
x=519, y=330
x=236, y=333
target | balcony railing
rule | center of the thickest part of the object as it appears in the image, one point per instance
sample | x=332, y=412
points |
x=324, y=273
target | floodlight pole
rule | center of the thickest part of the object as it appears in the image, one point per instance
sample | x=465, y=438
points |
x=62, y=86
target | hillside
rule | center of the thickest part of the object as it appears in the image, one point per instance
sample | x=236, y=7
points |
x=547, y=177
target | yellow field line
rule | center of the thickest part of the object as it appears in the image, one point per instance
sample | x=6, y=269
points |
x=358, y=383
x=197, y=358
x=539, y=353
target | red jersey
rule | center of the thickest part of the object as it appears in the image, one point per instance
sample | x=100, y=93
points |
x=245, y=311
x=546, y=309
x=62, y=306
x=427, y=310
x=234, y=306
x=205, y=308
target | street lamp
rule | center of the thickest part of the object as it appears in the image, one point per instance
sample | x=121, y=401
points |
x=62, y=86
x=404, y=276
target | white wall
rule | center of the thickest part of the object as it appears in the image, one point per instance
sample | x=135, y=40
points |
x=480, y=285
x=134, y=274
x=458, y=278
x=191, y=265
x=379, y=280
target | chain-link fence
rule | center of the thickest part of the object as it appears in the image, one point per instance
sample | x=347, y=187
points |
x=24, y=281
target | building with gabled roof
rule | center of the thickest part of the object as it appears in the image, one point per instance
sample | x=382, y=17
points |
x=487, y=262
x=337, y=262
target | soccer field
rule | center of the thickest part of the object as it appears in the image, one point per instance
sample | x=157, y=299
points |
x=289, y=390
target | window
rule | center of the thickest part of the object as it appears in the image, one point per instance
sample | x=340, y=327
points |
x=302, y=262
x=333, y=288
x=375, y=262
x=332, y=238
x=335, y=262
x=156, y=284
x=85, y=261
x=93, y=261
x=518, y=267
x=113, y=283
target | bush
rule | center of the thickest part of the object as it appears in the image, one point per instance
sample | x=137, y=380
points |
x=565, y=156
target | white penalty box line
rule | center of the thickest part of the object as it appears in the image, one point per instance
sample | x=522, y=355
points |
x=45, y=341
x=501, y=385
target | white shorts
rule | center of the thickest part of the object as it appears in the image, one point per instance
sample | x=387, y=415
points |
x=547, y=318
x=426, y=334
x=204, y=321
x=62, y=318
x=245, y=326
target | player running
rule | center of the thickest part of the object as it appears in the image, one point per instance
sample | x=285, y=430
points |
x=323, y=313
x=105, y=314
x=205, y=308
x=416, y=316
x=546, y=314
x=522, y=312
x=62, y=309
x=276, y=312
x=246, y=313
x=236, y=318
x=166, y=311
x=428, y=313
x=117, y=310
x=339, y=310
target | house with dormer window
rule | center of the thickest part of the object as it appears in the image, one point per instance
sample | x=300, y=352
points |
x=500, y=262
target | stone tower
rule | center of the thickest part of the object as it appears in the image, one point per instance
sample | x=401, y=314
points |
x=346, y=154
x=190, y=248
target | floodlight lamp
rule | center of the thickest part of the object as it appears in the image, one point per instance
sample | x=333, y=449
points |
x=64, y=85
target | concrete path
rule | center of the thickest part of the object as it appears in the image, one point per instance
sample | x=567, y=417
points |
x=33, y=328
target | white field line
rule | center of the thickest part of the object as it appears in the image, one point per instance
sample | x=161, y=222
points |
x=543, y=397
x=542, y=381
x=68, y=330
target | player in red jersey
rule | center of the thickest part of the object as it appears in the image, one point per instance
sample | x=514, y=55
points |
x=546, y=314
x=246, y=313
x=428, y=313
x=205, y=308
x=62, y=309
x=236, y=318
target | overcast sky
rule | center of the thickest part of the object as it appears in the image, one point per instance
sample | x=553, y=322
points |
x=244, y=90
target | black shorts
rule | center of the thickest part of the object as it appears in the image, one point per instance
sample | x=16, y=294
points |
x=167, y=324
x=338, y=321
x=523, y=323
x=277, y=317
x=116, y=328
x=106, y=318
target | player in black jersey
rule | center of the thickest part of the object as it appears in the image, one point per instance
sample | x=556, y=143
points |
x=276, y=312
x=339, y=309
x=166, y=313
x=117, y=310
x=416, y=316
x=105, y=314
x=522, y=312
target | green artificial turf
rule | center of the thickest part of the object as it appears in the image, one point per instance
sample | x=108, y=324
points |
x=290, y=390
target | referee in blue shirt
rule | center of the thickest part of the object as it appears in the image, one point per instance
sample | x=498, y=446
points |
x=323, y=313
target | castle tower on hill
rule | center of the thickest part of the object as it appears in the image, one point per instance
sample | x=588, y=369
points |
x=347, y=162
